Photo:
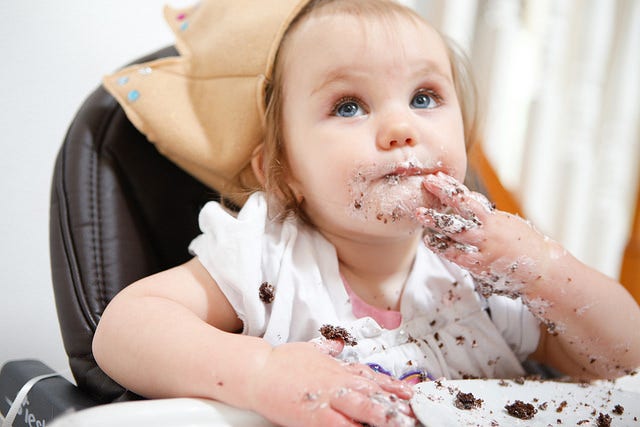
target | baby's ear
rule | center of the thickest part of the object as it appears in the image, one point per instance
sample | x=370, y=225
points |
x=257, y=163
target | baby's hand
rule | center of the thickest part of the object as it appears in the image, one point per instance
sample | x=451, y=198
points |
x=300, y=384
x=503, y=252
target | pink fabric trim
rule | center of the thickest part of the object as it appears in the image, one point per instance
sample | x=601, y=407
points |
x=388, y=319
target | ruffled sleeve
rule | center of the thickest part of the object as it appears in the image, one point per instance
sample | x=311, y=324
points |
x=230, y=249
x=518, y=326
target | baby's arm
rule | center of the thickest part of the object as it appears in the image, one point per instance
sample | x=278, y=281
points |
x=172, y=335
x=591, y=322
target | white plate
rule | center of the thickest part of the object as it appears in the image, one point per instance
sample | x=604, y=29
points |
x=433, y=403
x=163, y=413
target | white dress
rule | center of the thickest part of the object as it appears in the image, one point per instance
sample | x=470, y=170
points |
x=445, y=329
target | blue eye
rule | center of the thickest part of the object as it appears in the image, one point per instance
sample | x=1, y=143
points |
x=424, y=100
x=347, y=108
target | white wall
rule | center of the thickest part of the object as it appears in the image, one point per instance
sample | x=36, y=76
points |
x=53, y=55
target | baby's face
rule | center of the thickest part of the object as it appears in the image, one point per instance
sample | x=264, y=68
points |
x=369, y=108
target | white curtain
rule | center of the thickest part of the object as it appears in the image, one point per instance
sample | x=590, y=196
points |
x=560, y=85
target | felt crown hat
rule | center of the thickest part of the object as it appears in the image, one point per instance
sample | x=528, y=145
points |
x=204, y=110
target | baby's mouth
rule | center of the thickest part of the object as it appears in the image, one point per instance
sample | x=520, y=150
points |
x=403, y=172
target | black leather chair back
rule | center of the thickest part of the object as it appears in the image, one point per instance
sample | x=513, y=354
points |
x=120, y=211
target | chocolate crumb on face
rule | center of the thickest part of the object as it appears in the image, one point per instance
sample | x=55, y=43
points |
x=604, y=420
x=618, y=410
x=267, y=293
x=337, y=333
x=522, y=410
x=467, y=401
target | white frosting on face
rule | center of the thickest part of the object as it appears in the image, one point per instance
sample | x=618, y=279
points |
x=390, y=192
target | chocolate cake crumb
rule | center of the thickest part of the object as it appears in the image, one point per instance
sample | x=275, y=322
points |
x=438, y=242
x=267, y=293
x=618, y=410
x=467, y=401
x=337, y=333
x=604, y=420
x=562, y=405
x=469, y=376
x=520, y=409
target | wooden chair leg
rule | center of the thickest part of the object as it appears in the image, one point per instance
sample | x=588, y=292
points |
x=497, y=193
x=630, y=271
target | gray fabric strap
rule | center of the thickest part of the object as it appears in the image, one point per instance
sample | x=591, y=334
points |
x=21, y=396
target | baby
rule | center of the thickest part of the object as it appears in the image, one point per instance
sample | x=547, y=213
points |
x=362, y=225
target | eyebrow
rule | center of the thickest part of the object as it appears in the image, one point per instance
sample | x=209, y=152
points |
x=346, y=73
x=334, y=76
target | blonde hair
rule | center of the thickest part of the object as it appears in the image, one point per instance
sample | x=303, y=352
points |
x=282, y=201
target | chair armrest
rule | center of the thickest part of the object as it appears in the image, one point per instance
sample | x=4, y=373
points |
x=47, y=399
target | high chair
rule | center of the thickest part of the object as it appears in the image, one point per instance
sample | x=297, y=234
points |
x=121, y=211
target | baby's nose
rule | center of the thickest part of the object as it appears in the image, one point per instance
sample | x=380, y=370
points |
x=395, y=134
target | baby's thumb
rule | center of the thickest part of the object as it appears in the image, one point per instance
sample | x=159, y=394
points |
x=329, y=347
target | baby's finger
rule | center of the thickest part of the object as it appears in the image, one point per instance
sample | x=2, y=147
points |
x=329, y=347
x=398, y=388
x=331, y=417
x=383, y=381
x=466, y=235
x=377, y=409
x=447, y=223
x=465, y=255
x=456, y=195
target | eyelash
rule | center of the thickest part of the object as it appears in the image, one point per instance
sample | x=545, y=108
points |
x=435, y=100
x=429, y=92
x=343, y=100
